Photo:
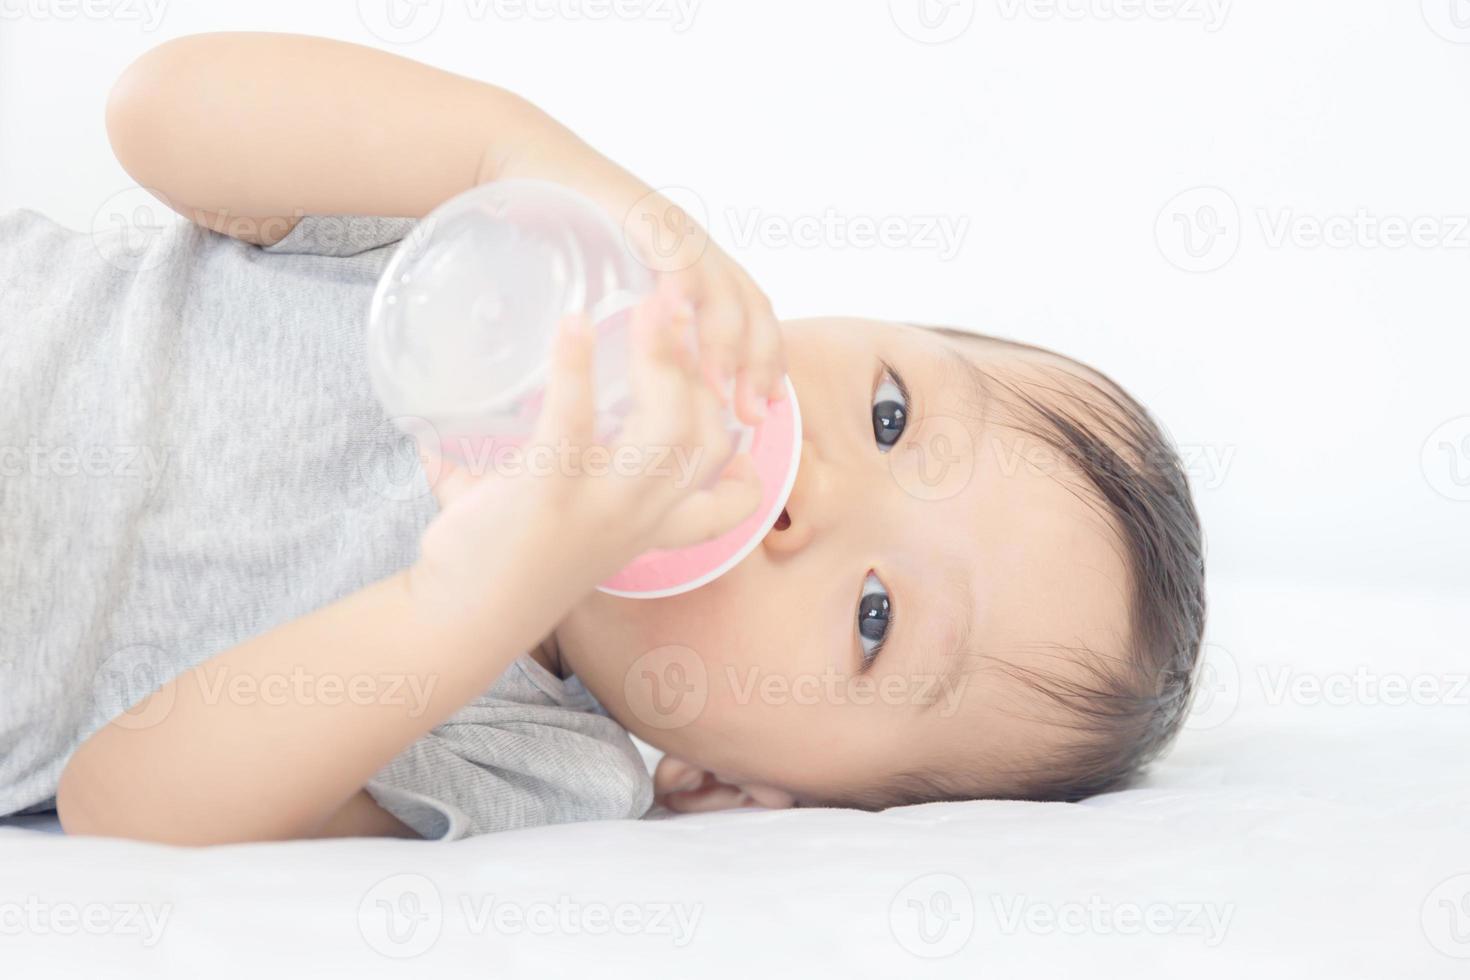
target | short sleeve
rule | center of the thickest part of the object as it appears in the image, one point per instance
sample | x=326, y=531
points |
x=500, y=764
x=341, y=235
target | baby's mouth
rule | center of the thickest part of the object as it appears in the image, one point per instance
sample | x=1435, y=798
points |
x=782, y=522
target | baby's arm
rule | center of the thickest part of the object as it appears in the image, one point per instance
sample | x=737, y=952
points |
x=216, y=770
x=244, y=133
x=501, y=564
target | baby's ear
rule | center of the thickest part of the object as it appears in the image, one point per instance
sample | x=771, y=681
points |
x=684, y=788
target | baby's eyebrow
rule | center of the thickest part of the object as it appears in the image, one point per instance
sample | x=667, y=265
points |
x=946, y=665
x=974, y=394
x=951, y=661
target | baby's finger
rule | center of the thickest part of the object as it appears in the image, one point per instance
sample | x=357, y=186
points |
x=674, y=303
x=659, y=372
x=569, y=408
x=768, y=343
x=707, y=514
x=721, y=323
x=447, y=479
x=764, y=360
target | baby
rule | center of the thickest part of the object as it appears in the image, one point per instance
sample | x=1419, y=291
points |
x=987, y=580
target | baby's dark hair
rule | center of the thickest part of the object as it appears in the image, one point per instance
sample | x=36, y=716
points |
x=1124, y=714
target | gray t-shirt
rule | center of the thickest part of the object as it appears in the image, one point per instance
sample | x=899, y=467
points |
x=191, y=454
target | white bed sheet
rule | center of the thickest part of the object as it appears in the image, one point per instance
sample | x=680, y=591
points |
x=1289, y=835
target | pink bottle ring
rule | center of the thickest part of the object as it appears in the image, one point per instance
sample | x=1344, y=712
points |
x=775, y=447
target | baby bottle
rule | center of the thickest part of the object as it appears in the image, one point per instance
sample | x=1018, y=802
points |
x=459, y=340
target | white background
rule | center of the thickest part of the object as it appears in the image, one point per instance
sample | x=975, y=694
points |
x=1304, y=380
x=1324, y=807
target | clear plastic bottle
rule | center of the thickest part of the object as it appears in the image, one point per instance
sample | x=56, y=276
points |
x=460, y=333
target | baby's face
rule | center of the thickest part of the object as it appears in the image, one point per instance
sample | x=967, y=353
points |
x=856, y=641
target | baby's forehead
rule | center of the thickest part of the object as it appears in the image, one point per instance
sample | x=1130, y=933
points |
x=1052, y=602
x=1047, y=560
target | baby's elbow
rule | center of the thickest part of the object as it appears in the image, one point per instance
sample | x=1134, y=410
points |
x=143, y=105
x=75, y=807
x=131, y=117
x=87, y=806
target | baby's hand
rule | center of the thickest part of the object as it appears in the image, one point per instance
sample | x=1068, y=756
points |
x=582, y=518
x=739, y=337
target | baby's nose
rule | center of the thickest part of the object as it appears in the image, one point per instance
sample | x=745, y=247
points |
x=809, y=504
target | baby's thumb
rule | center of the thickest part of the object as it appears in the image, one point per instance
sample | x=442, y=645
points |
x=709, y=513
x=446, y=479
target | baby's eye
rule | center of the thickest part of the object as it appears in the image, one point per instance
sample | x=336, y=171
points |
x=874, y=619
x=890, y=411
